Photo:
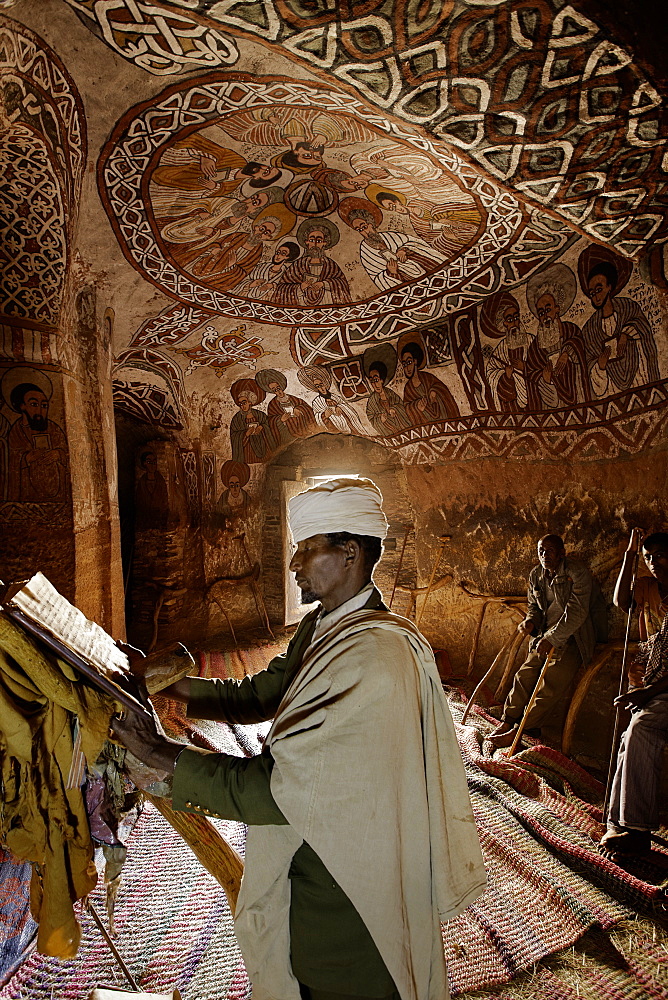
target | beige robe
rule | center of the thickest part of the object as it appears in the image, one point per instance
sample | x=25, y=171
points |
x=368, y=772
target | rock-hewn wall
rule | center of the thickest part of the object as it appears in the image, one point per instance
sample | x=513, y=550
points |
x=496, y=511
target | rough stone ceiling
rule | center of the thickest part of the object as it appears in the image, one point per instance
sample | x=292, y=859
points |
x=456, y=161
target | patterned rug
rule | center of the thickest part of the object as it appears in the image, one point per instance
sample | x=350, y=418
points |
x=17, y=928
x=238, y=663
x=547, y=887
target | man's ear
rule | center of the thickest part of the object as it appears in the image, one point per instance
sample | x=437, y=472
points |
x=353, y=551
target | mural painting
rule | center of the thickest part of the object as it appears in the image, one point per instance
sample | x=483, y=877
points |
x=224, y=219
x=422, y=304
x=234, y=500
x=34, y=463
x=517, y=78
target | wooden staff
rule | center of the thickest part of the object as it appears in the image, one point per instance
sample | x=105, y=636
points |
x=401, y=559
x=486, y=676
x=443, y=539
x=623, y=683
x=532, y=702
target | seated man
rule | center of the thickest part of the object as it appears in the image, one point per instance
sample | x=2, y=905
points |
x=633, y=811
x=560, y=595
x=650, y=593
x=361, y=837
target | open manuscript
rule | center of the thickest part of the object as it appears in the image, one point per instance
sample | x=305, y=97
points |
x=38, y=608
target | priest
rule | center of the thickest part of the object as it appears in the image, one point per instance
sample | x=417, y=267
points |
x=361, y=837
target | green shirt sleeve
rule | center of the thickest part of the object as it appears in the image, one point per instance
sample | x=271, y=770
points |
x=255, y=698
x=226, y=787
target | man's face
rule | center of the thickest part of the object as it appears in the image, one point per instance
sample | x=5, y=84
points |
x=364, y=227
x=318, y=384
x=319, y=568
x=266, y=172
x=599, y=291
x=547, y=310
x=511, y=319
x=244, y=403
x=408, y=362
x=35, y=405
x=257, y=200
x=656, y=559
x=316, y=243
x=376, y=382
x=308, y=157
x=234, y=486
x=354, y=183
x=550, y=554
x=264, y=231
x=281, y=254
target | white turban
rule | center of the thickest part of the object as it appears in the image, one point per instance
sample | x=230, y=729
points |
x=353, y=505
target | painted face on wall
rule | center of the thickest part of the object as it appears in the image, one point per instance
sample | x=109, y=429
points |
x=264, y=231
x=376, y=382
x=234, y=486
x=547, y=310
x=308, y=157
x=599, y=291
x=35, y=406
x=257, y=200
x=246, y=401
x=316, y=243
x=364, y=227
x=408, y=364
x=281, y=254
x=511, y=319
x=266, y=172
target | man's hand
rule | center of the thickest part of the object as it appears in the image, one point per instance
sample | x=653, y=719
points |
x=635, y=540
x=635, y=698
x=145, y=738
x=525, y=627
x=544, y=646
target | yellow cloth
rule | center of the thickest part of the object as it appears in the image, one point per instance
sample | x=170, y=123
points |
x=40, y=820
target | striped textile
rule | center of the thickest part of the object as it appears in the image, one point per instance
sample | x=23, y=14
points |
x=547, y=887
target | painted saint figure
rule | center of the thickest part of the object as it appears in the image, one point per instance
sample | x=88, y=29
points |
x=506, y=363
x=556, y=371
x=38, y=458
x=234, y=500
x=389, y=258
x=331, y=411
x=263, y=280
x=315, y=279
x=384, y=408
x=426, y=398
x=289, y=416
x=227, y=262
x=619, y=343
x=250, y=435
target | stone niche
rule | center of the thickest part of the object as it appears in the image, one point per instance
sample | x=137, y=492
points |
x=326, y=455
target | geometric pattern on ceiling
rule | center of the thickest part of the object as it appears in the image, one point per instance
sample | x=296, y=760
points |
x=44, y=156
x=178, y=226
x=37, y=91
x=530, y=90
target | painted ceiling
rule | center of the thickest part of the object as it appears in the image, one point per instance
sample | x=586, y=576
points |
x=431, y=223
